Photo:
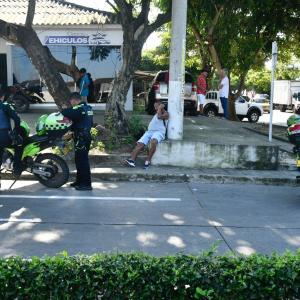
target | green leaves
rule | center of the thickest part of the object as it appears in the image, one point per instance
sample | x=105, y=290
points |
x=143, y=277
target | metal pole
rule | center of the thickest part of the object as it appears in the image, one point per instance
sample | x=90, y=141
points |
x=177, y=69
x=274, y=62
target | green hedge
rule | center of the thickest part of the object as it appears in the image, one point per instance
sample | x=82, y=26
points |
x=138, y=276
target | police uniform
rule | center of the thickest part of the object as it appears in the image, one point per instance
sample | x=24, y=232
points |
x=82, y=117
x=7, y=113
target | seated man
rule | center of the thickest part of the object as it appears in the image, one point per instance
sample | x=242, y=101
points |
x=155, y=134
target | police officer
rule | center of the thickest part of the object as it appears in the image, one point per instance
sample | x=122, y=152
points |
x=7, y=113
x=82, y=116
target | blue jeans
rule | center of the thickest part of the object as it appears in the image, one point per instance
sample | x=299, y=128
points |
x=224, y=102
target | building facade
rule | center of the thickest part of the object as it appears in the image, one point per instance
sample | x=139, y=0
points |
x=97, y=36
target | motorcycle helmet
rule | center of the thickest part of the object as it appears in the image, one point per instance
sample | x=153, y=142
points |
x=26, y=128
x=294, y=119
x=40, y=126
x=57, y=122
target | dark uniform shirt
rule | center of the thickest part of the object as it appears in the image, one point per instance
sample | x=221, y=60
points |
x=7, y=112
x=81, y=115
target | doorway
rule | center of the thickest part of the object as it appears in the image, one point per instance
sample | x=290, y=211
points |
x=3, y=71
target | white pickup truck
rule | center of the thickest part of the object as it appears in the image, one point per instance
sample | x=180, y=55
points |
x=213, y=107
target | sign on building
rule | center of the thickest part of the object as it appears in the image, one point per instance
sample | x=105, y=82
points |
x=96, y=39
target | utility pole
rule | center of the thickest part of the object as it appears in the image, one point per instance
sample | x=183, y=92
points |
x=274, y=63
x=177, y=69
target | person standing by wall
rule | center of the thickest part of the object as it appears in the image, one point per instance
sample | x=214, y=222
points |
x=84, y=85
x=224, y=91
x=201, y=89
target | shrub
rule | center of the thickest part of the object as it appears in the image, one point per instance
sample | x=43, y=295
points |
x=139, y=276
x=136, y=126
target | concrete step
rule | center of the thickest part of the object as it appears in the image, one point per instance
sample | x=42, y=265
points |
x=174, y=174
x=196, y=154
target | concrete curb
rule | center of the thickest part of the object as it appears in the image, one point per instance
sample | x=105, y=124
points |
x=179, y=178
x=265, y=134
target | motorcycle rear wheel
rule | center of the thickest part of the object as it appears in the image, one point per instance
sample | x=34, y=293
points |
x=61, y=175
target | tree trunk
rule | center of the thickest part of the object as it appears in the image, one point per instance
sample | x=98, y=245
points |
x=115, y=117
x=214, y=55
x=40, y=57
x=200, y=42
x=44, y=64
x=136, y=30
x=233, y=98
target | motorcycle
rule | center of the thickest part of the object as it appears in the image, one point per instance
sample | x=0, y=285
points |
x=50, y=169
x=293, y=132
x=24, y=94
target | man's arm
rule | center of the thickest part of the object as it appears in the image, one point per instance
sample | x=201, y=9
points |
x=71, y=113
x=12, y=115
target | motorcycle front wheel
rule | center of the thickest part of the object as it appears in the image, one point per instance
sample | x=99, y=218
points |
x=56, y=168
x=20, y=103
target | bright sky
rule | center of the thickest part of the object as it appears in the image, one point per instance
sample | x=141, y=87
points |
x=152, y=42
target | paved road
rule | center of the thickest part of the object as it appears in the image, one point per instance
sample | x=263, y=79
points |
x=155, y=218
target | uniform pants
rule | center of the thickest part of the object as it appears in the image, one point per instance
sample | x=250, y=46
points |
x=82, y=147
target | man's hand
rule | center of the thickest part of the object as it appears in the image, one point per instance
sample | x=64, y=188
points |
x=161, y=107
x=162, y=113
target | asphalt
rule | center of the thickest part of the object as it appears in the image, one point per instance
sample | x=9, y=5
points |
x=157, y=218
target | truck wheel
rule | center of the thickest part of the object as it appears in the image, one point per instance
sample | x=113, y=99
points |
x=210, y=111
x=253, y=116
x=282, y=108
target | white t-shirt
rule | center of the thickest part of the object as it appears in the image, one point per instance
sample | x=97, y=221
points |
x=224, y=91
x=157, y=124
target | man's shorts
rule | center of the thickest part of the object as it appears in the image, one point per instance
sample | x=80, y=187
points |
x=151, y=135
x=201, y=99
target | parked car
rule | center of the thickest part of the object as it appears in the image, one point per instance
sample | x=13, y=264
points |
x=243, y=108
x=265, y=102
x=261, y=96
x=159, y=90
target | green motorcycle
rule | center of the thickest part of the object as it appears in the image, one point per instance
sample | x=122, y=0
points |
x=50, y=169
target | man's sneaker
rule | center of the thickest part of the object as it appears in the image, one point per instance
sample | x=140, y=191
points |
x=130, y=163
x=147, y=164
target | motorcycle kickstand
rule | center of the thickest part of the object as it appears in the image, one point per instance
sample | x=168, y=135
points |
x=11, y=184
